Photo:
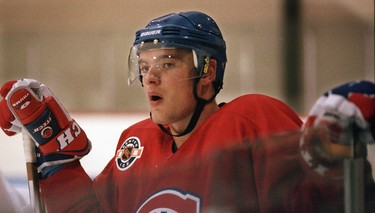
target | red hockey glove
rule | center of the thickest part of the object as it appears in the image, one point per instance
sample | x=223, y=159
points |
x=58, y=138
x=340, y=125
x=8, y=123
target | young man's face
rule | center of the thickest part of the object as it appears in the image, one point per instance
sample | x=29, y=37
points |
x=168, y=83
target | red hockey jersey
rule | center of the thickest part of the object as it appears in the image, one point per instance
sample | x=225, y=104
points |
x=220, y=166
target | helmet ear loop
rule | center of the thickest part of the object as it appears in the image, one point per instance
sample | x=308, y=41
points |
x=206, y=65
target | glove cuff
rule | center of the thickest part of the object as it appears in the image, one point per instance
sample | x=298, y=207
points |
x=49, y=170
x=44, y=128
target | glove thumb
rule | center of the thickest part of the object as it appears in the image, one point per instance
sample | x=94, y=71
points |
x=6, y=88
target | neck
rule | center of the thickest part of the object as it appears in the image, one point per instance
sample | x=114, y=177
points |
x=208, y=110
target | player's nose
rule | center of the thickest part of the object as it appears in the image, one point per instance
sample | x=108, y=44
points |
x=152, y=76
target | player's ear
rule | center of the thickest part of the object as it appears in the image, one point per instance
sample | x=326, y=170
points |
x=210, y=73
x=205, y=87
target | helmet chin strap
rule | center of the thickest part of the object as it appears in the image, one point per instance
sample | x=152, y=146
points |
x=197, y=112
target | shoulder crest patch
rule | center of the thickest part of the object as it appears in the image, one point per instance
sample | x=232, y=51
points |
x=128, y=153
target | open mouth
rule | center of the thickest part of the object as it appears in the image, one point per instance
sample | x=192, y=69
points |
x=155, y=98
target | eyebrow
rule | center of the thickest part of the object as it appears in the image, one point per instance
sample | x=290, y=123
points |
x=158, y=58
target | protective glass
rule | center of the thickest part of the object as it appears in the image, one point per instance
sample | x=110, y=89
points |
x=170, y=61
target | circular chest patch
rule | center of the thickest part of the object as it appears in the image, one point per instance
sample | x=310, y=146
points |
x=128, y=153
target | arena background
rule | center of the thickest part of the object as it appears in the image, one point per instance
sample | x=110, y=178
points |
x=292, y=50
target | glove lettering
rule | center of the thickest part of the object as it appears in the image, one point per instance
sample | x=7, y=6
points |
x=66, y=137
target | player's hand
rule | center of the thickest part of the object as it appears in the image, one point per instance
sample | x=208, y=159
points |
x=58, y=137
x=340, y=125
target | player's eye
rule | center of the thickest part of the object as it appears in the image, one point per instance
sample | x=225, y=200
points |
x=144, y=69
x=168, y=66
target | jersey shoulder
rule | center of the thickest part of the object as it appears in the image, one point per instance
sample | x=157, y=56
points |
x=141, y=129
x=255, y=99
x=258, y=105
x=250, y=102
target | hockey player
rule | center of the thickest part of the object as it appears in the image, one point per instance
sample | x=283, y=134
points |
x=191, y=155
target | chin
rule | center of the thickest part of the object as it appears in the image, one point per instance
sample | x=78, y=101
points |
x=156, y=118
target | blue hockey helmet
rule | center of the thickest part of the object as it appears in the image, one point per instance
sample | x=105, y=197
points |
x=189, y=30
